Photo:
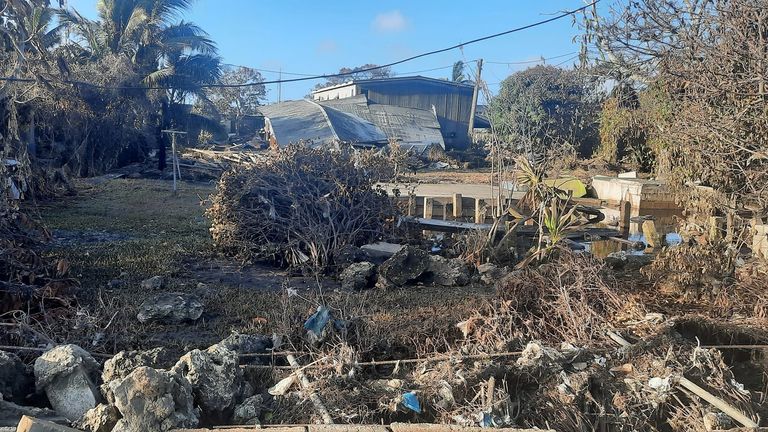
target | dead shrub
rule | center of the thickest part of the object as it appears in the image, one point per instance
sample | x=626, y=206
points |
x=568, y=299
x=298, y=207
x=692, y=270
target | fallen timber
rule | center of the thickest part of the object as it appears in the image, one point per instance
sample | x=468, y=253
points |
x=525, y=230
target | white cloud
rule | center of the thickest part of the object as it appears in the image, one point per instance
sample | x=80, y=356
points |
x=392, y=21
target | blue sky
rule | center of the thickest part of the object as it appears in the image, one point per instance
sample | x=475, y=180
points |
x=312, y=37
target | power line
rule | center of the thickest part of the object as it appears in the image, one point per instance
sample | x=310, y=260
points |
x=532, y=61
x=337, y=75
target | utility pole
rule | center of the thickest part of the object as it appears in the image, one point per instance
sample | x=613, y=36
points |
x=174, y=157
x=474, y=99
x=280, y=85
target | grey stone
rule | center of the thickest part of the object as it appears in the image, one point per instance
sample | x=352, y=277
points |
x=246, y=344
x=215, y=377
x=124, y=362
x=153, y=400
x=490, y=273
x=153, y=283
x=405, y=266
x=16, y=380
x=622, y=260
x=248, y=412
x=448, y=272
x=171, y=308
x=102, y=418
x=347, y=255
x=68, y=375
x=358, y=276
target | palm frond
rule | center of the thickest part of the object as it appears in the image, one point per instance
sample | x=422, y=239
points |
x=187, y=36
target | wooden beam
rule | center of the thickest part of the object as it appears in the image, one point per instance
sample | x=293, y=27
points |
x=458, y=207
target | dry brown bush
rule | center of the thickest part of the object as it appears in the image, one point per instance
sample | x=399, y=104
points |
x=299, y=207
x=569, y=299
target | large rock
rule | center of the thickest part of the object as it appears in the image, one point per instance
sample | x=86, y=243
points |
x=216, y=380
x=623, y=260
x=153, y=400
x=490, y=273
x=15, y=377
x=358, y=276
x=246, y=344
x=248, y=412
x=153, y=284
x=124, y=362
x=448, y=272
x=405, y=266
x=171, y=308
x=103, y=418
x=69, y=376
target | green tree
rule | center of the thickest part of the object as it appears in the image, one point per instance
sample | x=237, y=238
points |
x=238, y=102
x=356, y=73
x=544, y=107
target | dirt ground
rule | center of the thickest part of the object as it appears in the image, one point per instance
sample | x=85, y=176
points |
x=122, y=231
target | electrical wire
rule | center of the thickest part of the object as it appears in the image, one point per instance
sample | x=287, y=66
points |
x=337, y=75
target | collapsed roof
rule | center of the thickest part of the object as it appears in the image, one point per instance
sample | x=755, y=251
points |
x=354, y=121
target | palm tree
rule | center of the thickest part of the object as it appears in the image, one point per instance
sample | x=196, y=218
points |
x=178, y=56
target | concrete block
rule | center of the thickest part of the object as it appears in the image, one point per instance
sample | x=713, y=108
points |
x=73, y=395
x=31, y=424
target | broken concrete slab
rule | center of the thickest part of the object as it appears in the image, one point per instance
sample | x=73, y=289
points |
x=15, y=377
x=405, y=266
x=358, y=276
x=102, y=418
x=124, y=362
x=11, y=413
x=381, y=249
x=68, y=375
x=171, y=308
x=215, y=378
x=448, y=272
x=154, y=400
x=31, y=424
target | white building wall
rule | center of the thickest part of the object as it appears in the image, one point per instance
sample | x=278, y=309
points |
x=335, y=93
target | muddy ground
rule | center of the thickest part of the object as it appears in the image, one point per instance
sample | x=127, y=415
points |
x=122, y=231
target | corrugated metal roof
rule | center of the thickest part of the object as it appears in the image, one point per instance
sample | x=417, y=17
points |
x=401, y=79
x=294, y=121
x=412, y=128
x=306, y=121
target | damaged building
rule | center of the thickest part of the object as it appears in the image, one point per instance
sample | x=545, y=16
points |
x=416, y=112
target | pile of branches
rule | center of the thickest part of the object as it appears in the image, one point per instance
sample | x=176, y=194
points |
x=29, y=282
x=299, y=207
x=569, y=299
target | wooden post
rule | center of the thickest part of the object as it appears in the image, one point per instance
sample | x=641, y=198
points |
x=457, y=206
x=473, y=107
x=174, y=157
x=428, y=203
x=479, y=211
x=625, y=213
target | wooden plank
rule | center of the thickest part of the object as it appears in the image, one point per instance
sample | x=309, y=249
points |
x=458, y=205
x=428, y=207
x=479, y=211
